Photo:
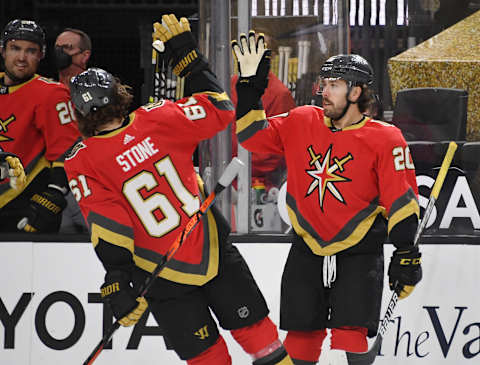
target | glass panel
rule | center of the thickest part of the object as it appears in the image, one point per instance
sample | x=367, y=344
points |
x=391, y=35
x=301, y=35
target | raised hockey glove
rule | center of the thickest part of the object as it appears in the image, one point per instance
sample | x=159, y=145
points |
x=253, y=61
x=118, y=293
x=179, y=45
x=12, y=168
x=46, y=209
x=405, y=271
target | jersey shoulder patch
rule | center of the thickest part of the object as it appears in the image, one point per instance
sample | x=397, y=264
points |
x=48, y=80
x=151, y=106
x=74, y=150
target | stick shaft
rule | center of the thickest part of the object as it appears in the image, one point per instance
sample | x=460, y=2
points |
x=368, y=357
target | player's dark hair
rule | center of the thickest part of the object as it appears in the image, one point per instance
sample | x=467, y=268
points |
x=366, y=100
x=117, y=109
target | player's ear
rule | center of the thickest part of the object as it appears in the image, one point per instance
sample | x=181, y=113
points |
x=355, y=93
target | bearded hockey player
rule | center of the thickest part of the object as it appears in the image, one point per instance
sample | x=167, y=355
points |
x=134, y=179
x=350, y=184
x=36, y=125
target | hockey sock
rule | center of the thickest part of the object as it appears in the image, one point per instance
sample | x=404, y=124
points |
x=304, y=347
x=257, y=336
x=351, y=339
x=260, y=340
x=216, y=354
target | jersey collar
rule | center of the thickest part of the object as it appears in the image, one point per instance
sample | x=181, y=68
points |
x=4, y=89
x=328, y=122
x=127, y=121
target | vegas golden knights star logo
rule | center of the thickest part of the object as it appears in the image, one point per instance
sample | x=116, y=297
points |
x=4, y=128
x=202, y=333
x=325, y=174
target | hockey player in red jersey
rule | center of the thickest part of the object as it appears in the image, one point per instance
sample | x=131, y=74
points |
x=134, y=179
x=350, y=184
x=36, y=117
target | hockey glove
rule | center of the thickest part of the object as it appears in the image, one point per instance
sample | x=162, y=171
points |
x=118, y=293
x=253, y=61
x=405, y=271
x=45, y=213
x=180, y=46
x=11, y=167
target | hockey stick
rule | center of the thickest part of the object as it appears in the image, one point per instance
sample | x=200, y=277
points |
x=367, y=358
x=225, y=180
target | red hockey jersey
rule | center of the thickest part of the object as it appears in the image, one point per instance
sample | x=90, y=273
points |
x=137, y=186
x=338, y=180
x=36, y=125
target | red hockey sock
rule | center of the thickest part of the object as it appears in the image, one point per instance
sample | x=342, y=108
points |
x=305, y=345
x=257, y=336
x=216, y=354
x=351, y=339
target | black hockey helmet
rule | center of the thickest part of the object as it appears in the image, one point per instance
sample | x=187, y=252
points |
x=351, y=68
x=92, y=89
x=26, y=30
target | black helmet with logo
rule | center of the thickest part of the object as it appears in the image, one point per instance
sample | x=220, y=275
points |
x=351, y=68
x=26, y=30
x=92, y=89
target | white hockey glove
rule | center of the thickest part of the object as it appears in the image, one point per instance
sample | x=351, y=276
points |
x=174, y=38
x=11, y=167
x=253, y=60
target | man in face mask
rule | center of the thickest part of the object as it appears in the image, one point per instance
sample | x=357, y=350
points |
x=73, y=48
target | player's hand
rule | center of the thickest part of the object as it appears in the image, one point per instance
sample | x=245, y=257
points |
x=405, y=271
x=177, y=41
x=253, y=60
x=11, y=167
x=45, y=213
x=118, y=293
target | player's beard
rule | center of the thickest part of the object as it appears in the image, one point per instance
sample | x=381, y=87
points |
x=18, y=79
x=333, y=111
x=19, y=72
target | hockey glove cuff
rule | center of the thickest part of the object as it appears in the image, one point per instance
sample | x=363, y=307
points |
x=180, y=46
x=45, y=213
x=11, y=167
x=405, y=271
x=118, y=293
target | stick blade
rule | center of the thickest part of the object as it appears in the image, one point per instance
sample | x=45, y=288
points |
x=365, y=358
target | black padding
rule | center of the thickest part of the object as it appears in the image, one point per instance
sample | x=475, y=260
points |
x=470, y=155
x=431, y=114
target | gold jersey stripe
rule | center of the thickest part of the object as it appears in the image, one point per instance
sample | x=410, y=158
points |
x=404, y=212
x=99, y=232
x=333, y=247
x=251, y=117
x=189, y=278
